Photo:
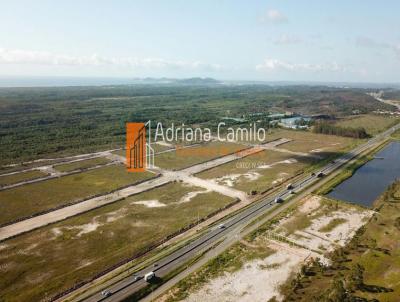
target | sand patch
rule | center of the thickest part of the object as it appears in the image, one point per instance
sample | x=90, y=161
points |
x=93, y=225
x=231, y=179
x=344, y=231
x=319, y=217
x=310, y=205
x=258, y=280
x=317, y=150
x=152, y=203
x=286, y=161
x=165, y=144
x=281, y=178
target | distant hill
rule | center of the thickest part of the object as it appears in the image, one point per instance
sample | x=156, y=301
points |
x=198, y=81
x=55, y=81
x=188, y=81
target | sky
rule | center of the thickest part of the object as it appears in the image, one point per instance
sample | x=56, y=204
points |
x=335, y=41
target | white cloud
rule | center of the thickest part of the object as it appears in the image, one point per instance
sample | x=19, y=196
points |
x=17, y=56
x=279, y=65
x=287, y=39
x=274, y=16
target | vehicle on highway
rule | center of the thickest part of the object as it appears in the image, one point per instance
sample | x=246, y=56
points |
x=221, y=226
x=292, y=192
x=149, y=276
x=320, y=174
x=278, y=200
x=289, y=186
x=312, y=174
x=137, y=278
x=155, y=264
x=106, y=293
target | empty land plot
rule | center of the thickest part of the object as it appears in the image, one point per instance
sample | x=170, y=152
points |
x=185, y=157
x=56, y=257
x=257, y=172
x=157, y=147
x=82, y=164
x=20, y=177
x=322, y=224
x=255, y=268
x=369, y=265
x=373, y=124
x=305, y=141
x=37, y=197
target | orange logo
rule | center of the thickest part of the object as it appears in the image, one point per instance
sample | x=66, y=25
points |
x=136, y=147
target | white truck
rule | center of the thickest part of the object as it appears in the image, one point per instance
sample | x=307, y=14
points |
x=149, y=276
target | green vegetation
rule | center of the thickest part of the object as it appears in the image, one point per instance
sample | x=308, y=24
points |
x=396, y=135
x=37, y=197
x=185, y=157
x=258, y=172
x=20, y=177
x=82, y=164
x=54, y=258
x=372, y=124
x=392, y=94
x=331, y=129
x=52, y=122
x=332, y=224
x=307, y=141
x=366, y=269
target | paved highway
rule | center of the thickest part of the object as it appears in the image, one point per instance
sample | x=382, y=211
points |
x=128, y=286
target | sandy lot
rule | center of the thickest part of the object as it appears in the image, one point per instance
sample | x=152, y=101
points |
x=259, y=279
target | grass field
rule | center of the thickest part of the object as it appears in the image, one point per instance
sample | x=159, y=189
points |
x=83, y=164
x=368, y=267
x=306, y=141
x=156, y=147
x=396, y=135
x=182, y=158
x=19, y=177
x=32, y=198
x=373, y=124
x=54, y=258
x=257, y=172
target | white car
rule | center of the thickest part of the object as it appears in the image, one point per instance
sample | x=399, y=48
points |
x=221, y=226
x=106, y=293
x=149, y=276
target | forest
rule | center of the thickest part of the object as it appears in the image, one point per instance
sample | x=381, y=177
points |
x=57, y=121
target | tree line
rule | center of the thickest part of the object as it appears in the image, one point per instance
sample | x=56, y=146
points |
x=331, y=129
